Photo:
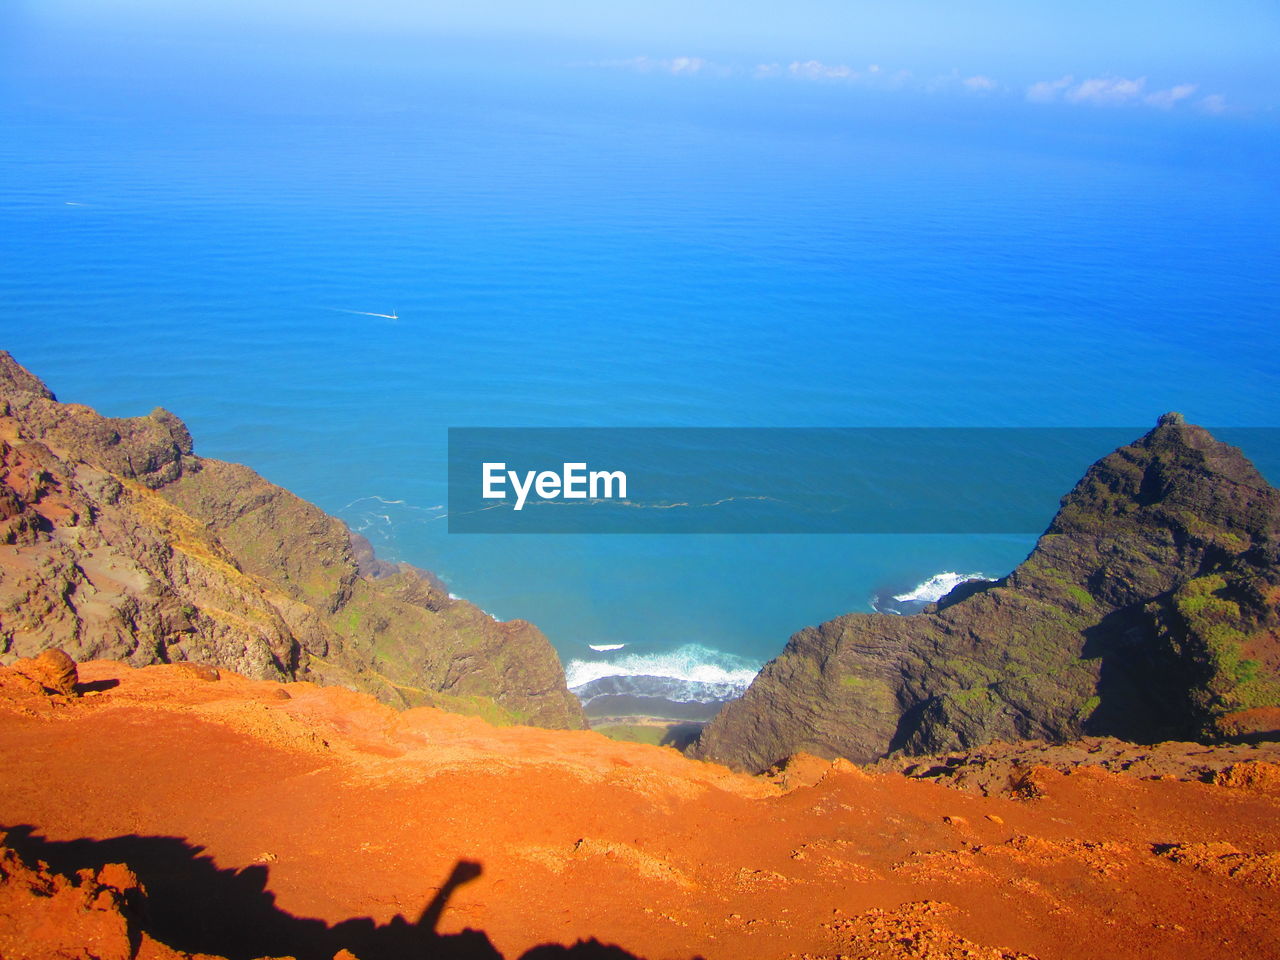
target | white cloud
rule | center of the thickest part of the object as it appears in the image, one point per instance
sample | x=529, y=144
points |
x=817, y=70
x=677, y=66
x=1213, y=103
x=1166, y=99
x=685, y=64
x=1093, y=91
x=1047, y=90
x=1114, y=91
x=1106, y=90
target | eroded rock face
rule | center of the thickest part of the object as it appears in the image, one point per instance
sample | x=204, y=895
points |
x=53, y=670
x=85, y=916
x=1147, y=611
x=117, y=541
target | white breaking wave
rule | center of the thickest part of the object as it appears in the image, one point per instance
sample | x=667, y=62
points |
x=691, y=673
x=938, y=586
x=605, y=647
x=690, y=662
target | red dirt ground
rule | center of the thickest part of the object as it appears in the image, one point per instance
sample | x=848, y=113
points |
x=266, y=819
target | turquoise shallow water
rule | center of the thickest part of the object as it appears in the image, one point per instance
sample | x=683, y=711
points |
x=565, y=253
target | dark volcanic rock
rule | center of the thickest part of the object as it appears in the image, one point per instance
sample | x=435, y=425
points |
x=118, y=542
x=1147, y=611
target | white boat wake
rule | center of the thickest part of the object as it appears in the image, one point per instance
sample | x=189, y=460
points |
x=393, y=315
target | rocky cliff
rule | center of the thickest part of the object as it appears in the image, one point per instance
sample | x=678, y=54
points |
x=117, y=541
x=1148, y=610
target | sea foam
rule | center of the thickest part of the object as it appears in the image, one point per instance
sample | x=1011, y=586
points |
x=938, y=586
x=688, y=674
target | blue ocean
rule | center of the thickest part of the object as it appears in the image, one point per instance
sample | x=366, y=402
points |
x=323, y=255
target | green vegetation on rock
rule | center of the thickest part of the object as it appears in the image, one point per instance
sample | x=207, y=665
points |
x=184, y=558
x=1147, y=610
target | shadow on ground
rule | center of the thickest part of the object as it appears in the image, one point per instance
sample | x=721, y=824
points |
x=193, y=906
x=681, y=735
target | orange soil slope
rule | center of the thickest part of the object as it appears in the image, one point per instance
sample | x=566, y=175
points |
x=261, y=819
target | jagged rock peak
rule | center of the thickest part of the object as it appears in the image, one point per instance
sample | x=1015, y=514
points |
x=1148, y=610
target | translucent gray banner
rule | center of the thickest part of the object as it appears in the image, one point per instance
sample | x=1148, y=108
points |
x=767, y=480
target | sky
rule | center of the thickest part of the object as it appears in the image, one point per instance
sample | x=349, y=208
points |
x=1213, y=58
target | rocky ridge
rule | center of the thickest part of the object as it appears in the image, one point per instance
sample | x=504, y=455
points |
x=118, y=541
x=1002, y=768
x=1147, y=611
